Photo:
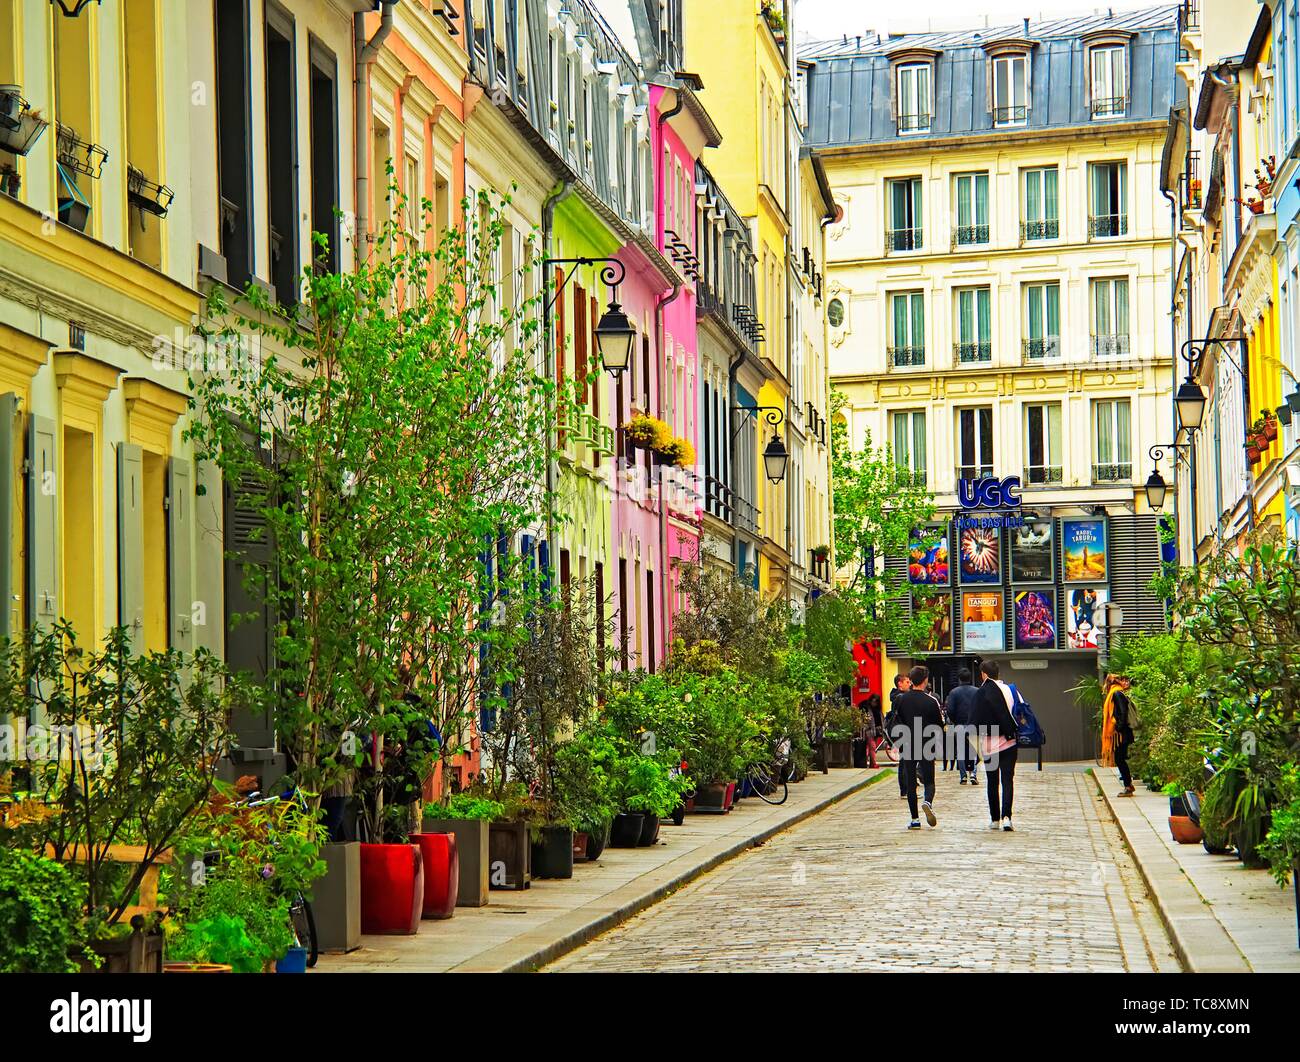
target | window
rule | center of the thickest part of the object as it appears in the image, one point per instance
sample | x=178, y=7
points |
x=324, y=155
x=914, y=98
x=1010, y=90
x=835, y=313
x=907, y=328
x=282, y=156
x=234, y=169
x=1111, y=459
x=908, y=439
x=1042, y=337
x=1043, y=443
x=905, y=227
x=1110, y=316
x=1039, y=220
x=1108, y=204
x=971, y=190
x=1109, y=83
x=975, y=442
x=413, y=188
x=974, y=325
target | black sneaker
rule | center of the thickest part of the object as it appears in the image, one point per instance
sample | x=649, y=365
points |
x=929, y=813
x=915, y=824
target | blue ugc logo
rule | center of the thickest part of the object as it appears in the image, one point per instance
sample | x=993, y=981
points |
x=989, y=493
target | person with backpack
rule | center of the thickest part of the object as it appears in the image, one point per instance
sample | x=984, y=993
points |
x=998, y=736
x=1117, y=730
x=960, y=708
x=917, y=715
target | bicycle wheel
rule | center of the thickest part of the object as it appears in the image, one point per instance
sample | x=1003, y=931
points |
x=887, y=746
x=304, y=927
x=768, y=787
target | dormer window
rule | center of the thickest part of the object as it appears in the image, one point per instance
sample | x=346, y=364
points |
x=913, y=98
x=1108, y=74
x=1011, y=89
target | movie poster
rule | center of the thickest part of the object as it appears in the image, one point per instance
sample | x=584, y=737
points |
x=927, y=563
x=1083, y=550
x=1031, y=552
x=1086, y=609
x=980, y=550
x=940, y=637
x=981, y=621
x=1035, y=620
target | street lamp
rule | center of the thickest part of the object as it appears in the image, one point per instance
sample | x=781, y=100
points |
x=775, y=458
x=1190, y=401
x=1156, y=487
x=615, y=338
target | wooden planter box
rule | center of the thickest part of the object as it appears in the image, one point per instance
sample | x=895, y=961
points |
x=472, y=848
x=839, y=753
x=509, y=856
x=139, y=953
x=336, y=898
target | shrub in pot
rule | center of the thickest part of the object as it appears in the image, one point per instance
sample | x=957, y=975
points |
x=41, y=914
x=467, y=817
x=585, y=785
x=649, y=789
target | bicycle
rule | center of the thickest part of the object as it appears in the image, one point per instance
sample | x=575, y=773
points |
x=766, y=780
x=884, y=747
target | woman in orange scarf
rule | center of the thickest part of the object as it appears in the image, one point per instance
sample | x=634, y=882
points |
x=1117, y=730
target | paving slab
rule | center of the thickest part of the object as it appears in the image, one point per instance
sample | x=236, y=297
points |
x=525, y=929
x=1221, y=915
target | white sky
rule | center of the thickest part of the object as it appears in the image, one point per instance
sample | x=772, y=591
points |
x=823, y=19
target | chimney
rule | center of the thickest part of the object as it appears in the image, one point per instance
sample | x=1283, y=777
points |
x=1026, y=28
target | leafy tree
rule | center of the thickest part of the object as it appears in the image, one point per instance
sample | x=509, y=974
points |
x=877, y=505
x=392, y=432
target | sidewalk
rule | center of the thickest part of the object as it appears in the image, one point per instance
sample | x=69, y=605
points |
x=1220, y=916
x=520, y=931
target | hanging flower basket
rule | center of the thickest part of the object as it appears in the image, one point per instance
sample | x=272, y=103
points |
x=821, y=552
x=647, y=433
x=676, y=451
x=1270, y=426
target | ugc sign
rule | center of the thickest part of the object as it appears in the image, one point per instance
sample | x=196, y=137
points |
x=987, y=494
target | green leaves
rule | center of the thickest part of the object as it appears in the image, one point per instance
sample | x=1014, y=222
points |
x=40, y=914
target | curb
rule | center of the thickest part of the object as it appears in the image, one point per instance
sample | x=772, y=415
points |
x=1199, y=939
x=578, y=927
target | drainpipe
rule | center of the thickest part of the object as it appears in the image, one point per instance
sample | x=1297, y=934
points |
x=548, y=347
x=365, y=52
x=1173, y=368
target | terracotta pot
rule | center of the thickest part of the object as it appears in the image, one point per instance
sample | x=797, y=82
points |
x=1252, y=452
x=195, y=967
x=1185, y=831
x=1270, y=429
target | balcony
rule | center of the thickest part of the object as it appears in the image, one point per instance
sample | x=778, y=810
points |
x=1103, y=225
x=1119, y=472
x=581, y=427
x=1043, y=475
x=1041, y=349
x=907, y=357
x=911, y=477
x=1110, y=346
x=1109, y=107
x=969, y=235
x=913, y=123
x=973, y=353
x=974, y=472
x=1012, y=115
x=902, y=240
x=1047, y=229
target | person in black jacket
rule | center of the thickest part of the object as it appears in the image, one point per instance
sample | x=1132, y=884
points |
x=918, y=733
x=998, y=734
x=901, y=685
x=960, y=708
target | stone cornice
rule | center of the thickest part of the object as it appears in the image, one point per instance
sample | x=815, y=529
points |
x=87, y=377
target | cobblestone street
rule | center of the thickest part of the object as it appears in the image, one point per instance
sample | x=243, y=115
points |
x=853, y=889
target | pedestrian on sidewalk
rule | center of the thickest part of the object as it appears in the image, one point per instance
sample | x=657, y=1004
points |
x=998, y=731
x=1117, y=730
x=918, y=733
x=875, y=724
x=901, y=685
x=960, y=709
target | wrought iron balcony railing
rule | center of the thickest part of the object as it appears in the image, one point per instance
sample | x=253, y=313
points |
x=1108, y=225
x=1110, y=345
x=1109, y=107
x=968, y=353
x=907, y=357
x=965, y=235
x=1115, y=472
x=1010, y=115
x=1043, y=475
x=911, y=477
x=903, y=239
x=914, y=123
x=1041, y=349
x=974, y=471
x=1047, y=229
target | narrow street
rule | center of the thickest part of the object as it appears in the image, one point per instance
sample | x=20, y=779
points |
x=852, y=889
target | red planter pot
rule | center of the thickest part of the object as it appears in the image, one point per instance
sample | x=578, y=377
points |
x=392, y=888
x=730, y=799
x=1184, y=830
x=441, y=873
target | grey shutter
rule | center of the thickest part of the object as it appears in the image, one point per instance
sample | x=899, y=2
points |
x=9, y=623
x=42, y=524
x=248, y=619
x=180, y=555
x=130, y=542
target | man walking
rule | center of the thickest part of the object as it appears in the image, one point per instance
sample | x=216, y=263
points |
x=901, y=685
x=960, y=708
x=918, y=733
x=993, y=715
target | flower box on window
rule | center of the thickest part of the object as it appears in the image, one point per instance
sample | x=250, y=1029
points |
x=20, y=125
x=145, y=194
x=78, y=154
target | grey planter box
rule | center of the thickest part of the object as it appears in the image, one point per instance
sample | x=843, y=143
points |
x=472, y=848
x=509, y=856
x=336, y=898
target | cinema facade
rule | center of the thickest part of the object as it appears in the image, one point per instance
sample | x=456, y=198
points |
x=1035, y=579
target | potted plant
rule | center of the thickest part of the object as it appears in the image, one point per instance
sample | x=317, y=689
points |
x=820, y=553
x=841, y=724
x=648, y=791
x=646, y=432
x=467, y=816
x=1281, y=845
x=1177, y=805
x=676, y=451
x=1269, y=425
x=586, y=769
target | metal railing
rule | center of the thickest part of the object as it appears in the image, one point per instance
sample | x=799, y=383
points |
x=964, y=235
x=911, y=477
x=1107, y=224
x=1116, y=472
x=1047, y=229
x=914, y=123
x=1107, y=346
x=1191, y=14
x=1039, y=349
x=966, y=353
x=1043, y=474
x=902, y=240
x=1109, y=107
x=907, y=357
x=1010, y=115
x=974, y=471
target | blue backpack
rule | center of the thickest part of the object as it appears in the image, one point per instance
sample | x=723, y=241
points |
x=1029, y=734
